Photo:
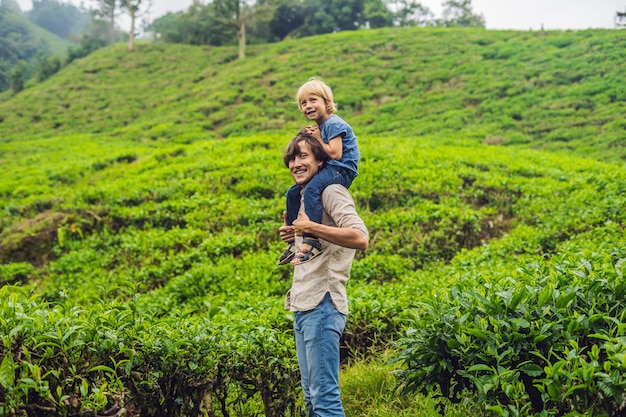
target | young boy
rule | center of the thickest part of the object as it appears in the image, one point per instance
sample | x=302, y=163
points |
x=316, y=102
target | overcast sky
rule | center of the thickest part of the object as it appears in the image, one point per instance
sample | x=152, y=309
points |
x=499, y=14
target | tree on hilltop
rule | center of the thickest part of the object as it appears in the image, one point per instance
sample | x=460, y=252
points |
x=107, y=10
x=412, y=13
x=620, y=19
x=234, y=13
x=133, y=8
x=459, y=13
x=220, y=22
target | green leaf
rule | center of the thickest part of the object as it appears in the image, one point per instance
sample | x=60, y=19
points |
x=7, y=371
x=531, y=369
x=517, y=298
x=102, y=368
x=84, y=388
x=496, y=409
x=480, y=367
x=573, y=389
x=453, y=343
x=553, y=390
x=544, y=296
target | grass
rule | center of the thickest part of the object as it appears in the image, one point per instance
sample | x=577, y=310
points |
x=368, y=390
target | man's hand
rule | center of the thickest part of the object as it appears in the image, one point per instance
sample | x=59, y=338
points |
x=301, y=224
x=286, y=232
x=342, y=236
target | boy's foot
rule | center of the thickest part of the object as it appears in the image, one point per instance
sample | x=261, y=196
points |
x=309, y=250
x=288, y=254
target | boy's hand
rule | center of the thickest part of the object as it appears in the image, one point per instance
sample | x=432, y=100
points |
x=286, y=232
x=314, y=131
x=334, y=147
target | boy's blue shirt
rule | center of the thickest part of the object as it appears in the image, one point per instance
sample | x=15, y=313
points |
x=335, y=126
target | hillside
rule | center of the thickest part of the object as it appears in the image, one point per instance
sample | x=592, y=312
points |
x=21, y=40
x=476, y=85
x=55, y=44
x=142, y=193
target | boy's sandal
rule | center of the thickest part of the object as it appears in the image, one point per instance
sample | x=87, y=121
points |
x=306, y=255
x=288, y=254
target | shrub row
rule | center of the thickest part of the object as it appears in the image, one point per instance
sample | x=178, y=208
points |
x=544, y=339
x=62, y=359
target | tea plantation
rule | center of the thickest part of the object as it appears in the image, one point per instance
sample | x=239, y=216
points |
x=142, y=192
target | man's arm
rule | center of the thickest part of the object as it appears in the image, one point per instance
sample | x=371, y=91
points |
x=342, y=236
x=348, y=229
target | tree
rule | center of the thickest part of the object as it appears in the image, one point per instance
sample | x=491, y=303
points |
x=259, y=22
x=287, y=18
x=107, y=10
x=18, y=77
x=620, y=19
x=87, y=46
x=327, y=16
x=199, y=25
x=17, y=43
x=412, y=13
x=459, y=13
x=133, y=7
x=234, y=13
x=62, y=19
x=167, y=28
x=376, y=14
x=11, y=5
x=47, y=66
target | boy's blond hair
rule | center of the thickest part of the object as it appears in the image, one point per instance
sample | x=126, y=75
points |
x=319, y=88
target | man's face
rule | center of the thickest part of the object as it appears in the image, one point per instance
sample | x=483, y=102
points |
x=304, y=166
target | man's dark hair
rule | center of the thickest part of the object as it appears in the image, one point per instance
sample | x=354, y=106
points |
x=293, y=148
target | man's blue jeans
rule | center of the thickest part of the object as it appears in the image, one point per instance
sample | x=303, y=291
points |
x=317, y=345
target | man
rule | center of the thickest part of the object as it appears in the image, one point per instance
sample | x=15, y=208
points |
x=318, y=292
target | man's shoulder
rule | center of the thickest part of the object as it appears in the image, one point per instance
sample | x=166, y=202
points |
x=337, y=189
x=340, y=208
x=336, y=194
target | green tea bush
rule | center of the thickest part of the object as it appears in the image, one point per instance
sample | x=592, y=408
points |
x=545, y=339
x=377, y=317
x=63, y=359
x=16, y=272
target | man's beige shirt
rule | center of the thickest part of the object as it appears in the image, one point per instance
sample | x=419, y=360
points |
x=329, y=272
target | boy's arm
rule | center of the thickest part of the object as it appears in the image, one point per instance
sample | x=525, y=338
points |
x=334, y=147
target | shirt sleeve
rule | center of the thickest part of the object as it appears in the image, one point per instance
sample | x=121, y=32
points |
x=333, y=128
x=339, y=206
